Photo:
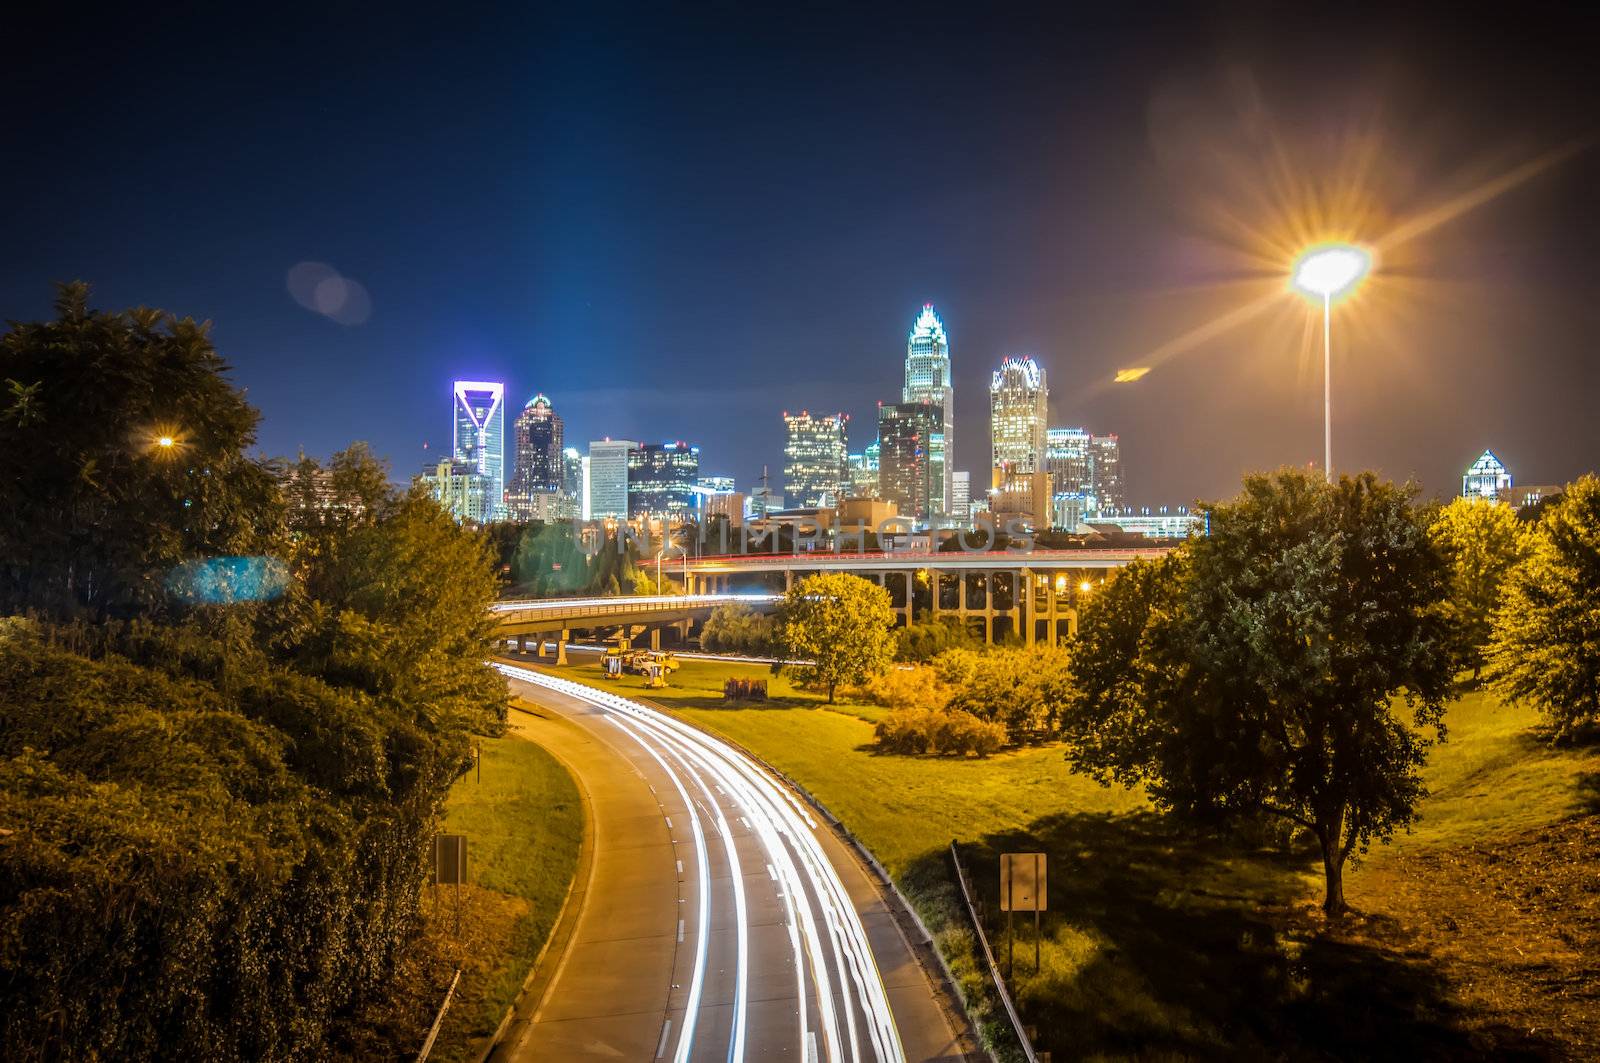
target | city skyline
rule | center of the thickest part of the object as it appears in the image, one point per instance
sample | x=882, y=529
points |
x=559, y=265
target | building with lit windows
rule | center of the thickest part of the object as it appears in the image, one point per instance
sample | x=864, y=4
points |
x=479, y=439
x=907, y=473
x=460, y=489
x=1486, y=478
x=861, y=472
x=814, y=458
x=928, y=380
x=960, y=496
x=608, y=479
x=662, y=478
x=1069, y=461
x=572, y=485
x=1163, y=523
x=538, y=469
x=1018, y=413
x=1106, y=472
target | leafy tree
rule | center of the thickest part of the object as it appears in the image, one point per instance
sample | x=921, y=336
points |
x=128, y=455
x=737, y=628
x=1482, y=542
x=549, y=562
x=843, y=624
x=1271, y=660
x=615, y=569
x=1545, y=647
x=399, y=609
x=1020, y=688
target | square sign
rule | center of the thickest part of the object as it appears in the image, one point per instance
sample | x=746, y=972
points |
x=449, y=858
x=1022, y=885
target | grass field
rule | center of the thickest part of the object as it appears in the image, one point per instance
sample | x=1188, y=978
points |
x=1166, y=943
x=524, y=824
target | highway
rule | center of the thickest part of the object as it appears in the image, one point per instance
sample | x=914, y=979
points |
x=721, y=920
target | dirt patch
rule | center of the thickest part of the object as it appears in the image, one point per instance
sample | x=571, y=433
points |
x=1512, y=924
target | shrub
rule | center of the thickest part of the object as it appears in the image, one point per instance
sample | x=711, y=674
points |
x=925, y=641
x=918, y=687
x=938, y=731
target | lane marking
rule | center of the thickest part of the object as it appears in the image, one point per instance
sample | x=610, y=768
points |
x=661, y=1046
x=680, y=939
x=680, y=867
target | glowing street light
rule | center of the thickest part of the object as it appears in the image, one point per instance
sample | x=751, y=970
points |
x=1323, y=273
x=165, y=442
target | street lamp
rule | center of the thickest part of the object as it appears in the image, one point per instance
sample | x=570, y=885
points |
x=663, y=553
x=1322, y=273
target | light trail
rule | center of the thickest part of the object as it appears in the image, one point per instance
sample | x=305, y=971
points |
x=641, y=600
x=821, y=919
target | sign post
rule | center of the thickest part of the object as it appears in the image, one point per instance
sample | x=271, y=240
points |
x=1022, y=889
x=450, y=865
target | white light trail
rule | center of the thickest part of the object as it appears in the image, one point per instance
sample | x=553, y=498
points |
x=807, y=883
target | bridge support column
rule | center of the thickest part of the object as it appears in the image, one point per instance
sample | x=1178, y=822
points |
x=988, y=608
x=561, y=645
x=522, y=644
x=911, y=594
x=788, y=580
x=655, y=638
x=539, y=645
x=1024, y=604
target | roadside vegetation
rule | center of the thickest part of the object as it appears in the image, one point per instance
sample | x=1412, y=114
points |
x=230, y=713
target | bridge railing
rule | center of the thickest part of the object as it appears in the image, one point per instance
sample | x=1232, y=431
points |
x=926, y=556
x=618, y=605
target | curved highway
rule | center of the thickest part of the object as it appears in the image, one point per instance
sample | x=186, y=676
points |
x=721, y=921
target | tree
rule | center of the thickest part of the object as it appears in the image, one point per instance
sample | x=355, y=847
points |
x=549, y=562
x=128, y=458
x=737, y=628
x=1545, y=646
x=1482, y=542
x=842, y=624
x=925, y=641
x=1272, y=660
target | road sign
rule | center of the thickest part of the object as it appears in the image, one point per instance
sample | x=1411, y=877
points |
x=1022, y=882
x=449, y=859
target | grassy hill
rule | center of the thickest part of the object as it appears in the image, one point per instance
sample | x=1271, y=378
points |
x=1167, y=943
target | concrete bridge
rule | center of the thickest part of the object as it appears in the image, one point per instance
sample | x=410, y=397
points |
x=1032, y=594
x=554, y=619
x=1035, y=593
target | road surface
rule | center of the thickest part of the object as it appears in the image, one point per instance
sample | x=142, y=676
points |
x=722, y=920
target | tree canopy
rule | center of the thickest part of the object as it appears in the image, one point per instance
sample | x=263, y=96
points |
x=1482, y=542
x=842, y=624
x=128, y=459
x=1545, y=647
x=1290, y=663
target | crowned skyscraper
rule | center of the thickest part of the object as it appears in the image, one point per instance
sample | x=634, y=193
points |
x=1018, y=411
x=928, y=380
x=538, y=475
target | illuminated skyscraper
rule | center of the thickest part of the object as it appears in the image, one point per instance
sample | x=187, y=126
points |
x=608, y=478
x=479, y=438
x=662, y=478
x=1486, y=478
x=814, y=467
x=862, y=473
x=928, y=381
x=572, y=480
x=538, y=470
x=906, y=471
x=1018, y=411
x=1107, y=472
x=1069, y=459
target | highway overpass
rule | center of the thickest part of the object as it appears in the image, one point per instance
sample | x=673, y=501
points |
x=556, y=618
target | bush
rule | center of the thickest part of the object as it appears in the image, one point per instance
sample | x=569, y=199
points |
x=918, y=687
x=941, y=732
x=1023, y=689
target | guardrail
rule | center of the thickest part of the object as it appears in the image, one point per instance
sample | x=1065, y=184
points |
x=988, y=959
x=633, y=604
x=438, y=1020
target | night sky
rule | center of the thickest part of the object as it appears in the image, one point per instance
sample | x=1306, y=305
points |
x=678, y=223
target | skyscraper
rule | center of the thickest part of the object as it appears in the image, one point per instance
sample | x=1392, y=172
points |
x=928, y=381
x=814, y=460
x=572, y=479
x=1107, y=472
x=1486, y=478
x=1069, y=459
x=608, y=478
x=960, y=495
x=1018, y=412
x=662, y=478
x=862, y=473
x=479, y=440
x=906, y=470
x=538, y=469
